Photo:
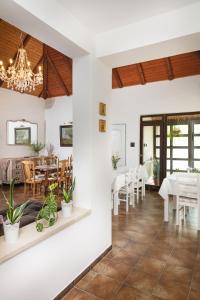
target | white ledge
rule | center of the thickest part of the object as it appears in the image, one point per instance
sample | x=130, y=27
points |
x=30, y=237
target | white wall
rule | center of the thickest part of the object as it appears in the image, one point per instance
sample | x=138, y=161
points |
x=42, y=271
x=180, y=95
x=17, y=106
x=58, y=111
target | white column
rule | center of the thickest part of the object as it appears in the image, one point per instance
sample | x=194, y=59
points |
x=91, y=148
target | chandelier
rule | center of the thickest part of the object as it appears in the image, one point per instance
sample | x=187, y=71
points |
x=19, y=75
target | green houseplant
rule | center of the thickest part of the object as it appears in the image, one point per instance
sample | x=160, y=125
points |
x=66, y=203
x=13, y=216
x=47, y=215
x=156, y=169
x=115, y=159
x=174, y=132
x=37, y=147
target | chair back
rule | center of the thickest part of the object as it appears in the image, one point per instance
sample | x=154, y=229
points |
x=28, y=170
x=38, y=161
x=120, y=181
x=188, y=186
x=63, y=168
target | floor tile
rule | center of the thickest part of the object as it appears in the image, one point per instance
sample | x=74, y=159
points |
x=103, y=286
x=172, y=292
x=194, y=295
x=115, y=270
x=177, y=275
x=158, y=253
x=129, y=293
x=150, y=265
x=141, y=280
x=82, y=284
x=76, y=294
x=195, y=284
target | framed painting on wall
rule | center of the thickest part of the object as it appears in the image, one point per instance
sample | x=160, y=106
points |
x=23, y=136
x=102, y=109
x=118, y=136
x=66, y=136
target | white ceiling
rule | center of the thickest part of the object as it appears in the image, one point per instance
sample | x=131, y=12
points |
x=104, y=15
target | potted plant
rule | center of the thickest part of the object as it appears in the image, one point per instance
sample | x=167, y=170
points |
x=156, y=170
x=115, y=159
x=66, y=203
x=37, y=147
x=174, y=132
x=47, y=215
x=13, y=216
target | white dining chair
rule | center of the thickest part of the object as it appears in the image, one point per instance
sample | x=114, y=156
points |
x=138, y=181
x=187, y=195
x=120, y=186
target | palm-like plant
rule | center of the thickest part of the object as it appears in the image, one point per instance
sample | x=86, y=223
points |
x=37, y=147
x=13, y=214
x=67, y=194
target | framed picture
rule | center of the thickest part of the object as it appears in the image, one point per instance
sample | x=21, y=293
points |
x=23, y=136
x=102, y=125
x=102, y=109
x=66, y=136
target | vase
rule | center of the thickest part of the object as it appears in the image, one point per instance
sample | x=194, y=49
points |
x=11, y=232
x=66, y=208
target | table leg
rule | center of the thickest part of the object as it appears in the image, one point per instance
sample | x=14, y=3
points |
x=198, y=217
x=166, y=210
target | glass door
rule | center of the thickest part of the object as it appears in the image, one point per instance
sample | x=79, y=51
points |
x=150, y=150
x=169, y=143
x=178, y=148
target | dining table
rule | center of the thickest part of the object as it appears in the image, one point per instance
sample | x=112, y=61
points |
x=168, y=188
x=46, y=170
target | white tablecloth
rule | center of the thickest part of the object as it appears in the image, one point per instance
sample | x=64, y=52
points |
x=168, y=186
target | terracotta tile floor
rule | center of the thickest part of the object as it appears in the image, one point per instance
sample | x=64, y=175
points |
x=149, y=260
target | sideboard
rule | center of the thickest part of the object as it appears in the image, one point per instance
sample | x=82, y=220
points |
x=11, y=168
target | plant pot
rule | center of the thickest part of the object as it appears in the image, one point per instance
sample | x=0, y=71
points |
x=66, y=209
x=11, y=232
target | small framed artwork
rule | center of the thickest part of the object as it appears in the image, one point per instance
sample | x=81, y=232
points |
x=66, y=136
x=102, y=125
x=102, y=109
x=23, y=136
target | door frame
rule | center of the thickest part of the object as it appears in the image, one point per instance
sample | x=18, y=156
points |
x=153, y=123
x=163, y=136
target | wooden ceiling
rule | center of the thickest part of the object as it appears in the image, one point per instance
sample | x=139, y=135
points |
x=57, y=68
x=167, y=68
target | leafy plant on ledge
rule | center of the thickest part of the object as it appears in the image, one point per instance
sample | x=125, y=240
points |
x=13, y=215
x=37, y=147
x=47, y=216
x=67, y=194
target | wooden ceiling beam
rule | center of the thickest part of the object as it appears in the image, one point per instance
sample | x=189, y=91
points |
x=117, y=78
x=45, y=72
x=169, y=68
x=40, y=94
x=40, y=62
x=141, y=73
x=60, y=79
x=26, y=39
